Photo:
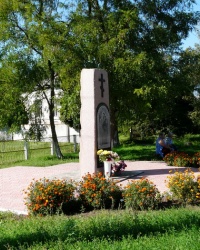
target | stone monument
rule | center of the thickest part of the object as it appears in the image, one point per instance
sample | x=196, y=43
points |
x=95, y=118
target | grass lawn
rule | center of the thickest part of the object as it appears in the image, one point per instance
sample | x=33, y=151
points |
x=136, y=149
x=144, y=149
x=39, y=154
x=121, y=229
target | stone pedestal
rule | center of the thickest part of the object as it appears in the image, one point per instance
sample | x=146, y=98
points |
x=95, y=118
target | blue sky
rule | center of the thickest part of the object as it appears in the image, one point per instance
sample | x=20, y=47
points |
x=193, y=37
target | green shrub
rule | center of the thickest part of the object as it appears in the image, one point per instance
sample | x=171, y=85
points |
x=183, y=186
x=141, y=194
x=46, y=196
x=97, y=192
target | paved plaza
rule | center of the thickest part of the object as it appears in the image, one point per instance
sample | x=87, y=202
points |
x=14, y=180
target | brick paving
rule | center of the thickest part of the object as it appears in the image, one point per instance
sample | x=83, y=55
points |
x=14, y=180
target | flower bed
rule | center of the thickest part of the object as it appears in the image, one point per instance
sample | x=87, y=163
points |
x=46, y=196
x=94, y=191
x=184, y=186
x=182, y=159
x=141, y=195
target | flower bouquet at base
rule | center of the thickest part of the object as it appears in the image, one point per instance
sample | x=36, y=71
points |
x=107, y=155
x=118, y=167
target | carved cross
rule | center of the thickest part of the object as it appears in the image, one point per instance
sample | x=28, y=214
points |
x=101, y=87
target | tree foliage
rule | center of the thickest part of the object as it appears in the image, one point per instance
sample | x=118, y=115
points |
x=47, y=43
x=189, y=68
x=138, y=43
x=32, y=40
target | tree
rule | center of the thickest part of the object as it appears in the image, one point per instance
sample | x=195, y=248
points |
x=47, y=43
x=32, y=39
x=137, y=42
x=189, y=70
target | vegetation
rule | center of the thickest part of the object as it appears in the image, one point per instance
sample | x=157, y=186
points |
x=138, y=43
x=94, y=192
x=32, y=39
x=141, y=195
x=174, y=228
x=98, y=192
x=113, y=229
x=12, y=154
x=182, y=159
x=48, y=196
x=184, y=187
x=135, y=149
x=45, y=44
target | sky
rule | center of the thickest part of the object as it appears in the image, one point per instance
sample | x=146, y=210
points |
x=193, y=37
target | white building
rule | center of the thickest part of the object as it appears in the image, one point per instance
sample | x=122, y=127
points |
x=38, y=107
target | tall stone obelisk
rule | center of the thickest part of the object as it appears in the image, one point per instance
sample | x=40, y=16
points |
x=94, y=117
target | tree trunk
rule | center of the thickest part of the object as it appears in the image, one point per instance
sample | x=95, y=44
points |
x=51, y=112
x=114, y=130
x=131, y=134
x=54, y=135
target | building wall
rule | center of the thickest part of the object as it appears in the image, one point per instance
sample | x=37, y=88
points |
x=64, y=132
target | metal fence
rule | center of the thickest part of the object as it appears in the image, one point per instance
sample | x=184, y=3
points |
x=13, y=151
